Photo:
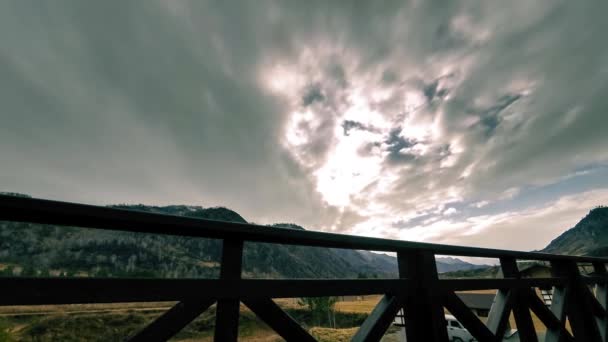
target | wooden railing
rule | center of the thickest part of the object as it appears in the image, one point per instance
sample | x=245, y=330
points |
x=578, y=298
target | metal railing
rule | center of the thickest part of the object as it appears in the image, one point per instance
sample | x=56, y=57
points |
x=418, y=290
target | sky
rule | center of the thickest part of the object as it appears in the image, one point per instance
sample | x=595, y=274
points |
x=479, y=123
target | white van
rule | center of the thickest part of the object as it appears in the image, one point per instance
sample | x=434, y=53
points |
x=456, y=332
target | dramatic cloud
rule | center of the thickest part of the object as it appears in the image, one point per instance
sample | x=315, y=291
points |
x=422, y=120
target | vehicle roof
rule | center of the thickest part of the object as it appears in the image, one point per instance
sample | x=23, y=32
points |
x=477, y=300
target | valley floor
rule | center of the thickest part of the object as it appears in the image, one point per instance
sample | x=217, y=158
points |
x=115, y=321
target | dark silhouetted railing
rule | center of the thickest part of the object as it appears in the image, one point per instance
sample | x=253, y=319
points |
x=578, y=298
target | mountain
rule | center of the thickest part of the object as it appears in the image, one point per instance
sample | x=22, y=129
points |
x=34, y=249
x=588, y=237
x=450, y=264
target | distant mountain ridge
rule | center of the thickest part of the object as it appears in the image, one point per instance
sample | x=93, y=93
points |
x=33, y=249
x=588, y=237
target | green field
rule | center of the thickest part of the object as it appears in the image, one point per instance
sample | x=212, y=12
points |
x=114, y=322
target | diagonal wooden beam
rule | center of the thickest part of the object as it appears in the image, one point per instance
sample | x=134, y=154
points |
x=601, y=294
x=554, y=325
x=581, y=317
x=465, y=316
x=280, y=321
x=578, y=308
x=558, y=309
x=596, y=308
x=499, y=313
x=573, y=301
x=172, y=321
x=523, y=318
x=379, y=319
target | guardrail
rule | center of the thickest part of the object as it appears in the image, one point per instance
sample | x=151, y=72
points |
x=418, y=290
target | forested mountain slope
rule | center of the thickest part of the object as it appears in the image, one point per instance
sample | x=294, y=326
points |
x=41, y=250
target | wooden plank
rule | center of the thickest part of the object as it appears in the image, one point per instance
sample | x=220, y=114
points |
x=283, y=324
x=227, y=315
x=172, y=321
x=41, y=291
x=374, y=327
x=592, y=280
x=33, y=291
x=465, y=316
x=448, y=285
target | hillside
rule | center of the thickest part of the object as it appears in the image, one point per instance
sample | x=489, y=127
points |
x=40, y=250
x=588, y=237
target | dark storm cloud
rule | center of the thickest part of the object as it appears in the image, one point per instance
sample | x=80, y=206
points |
x=113, y=101
x=335, y=72
x=347, y=125
x=313, y=94
x=395, y=144
x=168, y=101
x=430, y=90
x=489, y=118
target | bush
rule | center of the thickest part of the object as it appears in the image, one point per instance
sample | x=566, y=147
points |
x=5, y=335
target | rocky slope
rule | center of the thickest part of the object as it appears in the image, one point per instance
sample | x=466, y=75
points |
x=588, y=237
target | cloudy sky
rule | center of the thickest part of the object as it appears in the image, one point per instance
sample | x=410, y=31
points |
x=466, y=122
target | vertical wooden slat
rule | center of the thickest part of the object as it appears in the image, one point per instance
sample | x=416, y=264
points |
x=559, y=301
x=227, y=315
x=424, y=315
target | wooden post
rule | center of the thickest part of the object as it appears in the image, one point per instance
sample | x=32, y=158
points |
x=423, y=308
x=227, y=315
x=576, y=302
x=521, y=309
